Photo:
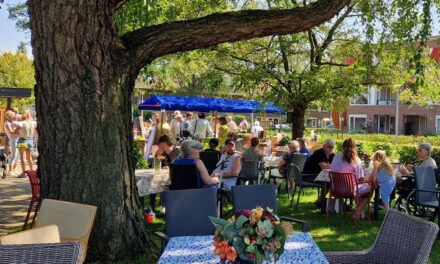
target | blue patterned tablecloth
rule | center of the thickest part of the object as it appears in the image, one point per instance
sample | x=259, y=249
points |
x=299, y=248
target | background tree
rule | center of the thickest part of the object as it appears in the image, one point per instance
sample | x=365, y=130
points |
x=17, y=70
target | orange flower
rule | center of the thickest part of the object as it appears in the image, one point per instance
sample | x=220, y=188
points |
x=231, y=253
x=220, y=249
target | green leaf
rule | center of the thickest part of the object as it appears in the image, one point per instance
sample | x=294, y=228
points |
x=218, y=222
x=250, y=248
x=229, y=232
x=240, y=221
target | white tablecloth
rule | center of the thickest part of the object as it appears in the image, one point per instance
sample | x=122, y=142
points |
x=272, y=162
x=299, y=248
x=323, y=176
x=149, y=181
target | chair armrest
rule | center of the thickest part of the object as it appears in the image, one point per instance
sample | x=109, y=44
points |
x=163, y=240
x=429, y=191
x=304, y=224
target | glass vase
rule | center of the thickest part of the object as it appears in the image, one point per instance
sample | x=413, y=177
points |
x=157, y=164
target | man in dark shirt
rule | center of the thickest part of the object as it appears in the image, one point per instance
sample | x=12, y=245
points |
x=321, y=159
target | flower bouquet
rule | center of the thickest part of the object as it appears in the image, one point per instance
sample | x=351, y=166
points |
x=367, y=160
x=250, y=236
x=157, y=163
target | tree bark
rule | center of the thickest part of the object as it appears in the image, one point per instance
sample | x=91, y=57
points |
x=84, y=82
x=85, y=72
x=298, y=118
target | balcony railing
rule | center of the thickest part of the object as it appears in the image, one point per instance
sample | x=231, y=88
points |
x=386, y=102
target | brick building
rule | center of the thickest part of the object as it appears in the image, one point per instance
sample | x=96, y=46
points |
x=375, y=111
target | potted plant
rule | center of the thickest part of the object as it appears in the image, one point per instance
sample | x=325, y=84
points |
x=251, y=236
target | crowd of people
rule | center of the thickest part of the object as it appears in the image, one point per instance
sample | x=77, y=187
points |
x=21, y=132
x=231, y=153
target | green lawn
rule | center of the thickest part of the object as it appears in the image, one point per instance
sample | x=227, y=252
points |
x=338, y=233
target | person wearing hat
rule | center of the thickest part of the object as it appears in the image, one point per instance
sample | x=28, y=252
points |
x=229, y=166
x=190, y=152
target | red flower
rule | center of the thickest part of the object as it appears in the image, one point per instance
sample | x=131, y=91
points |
x=220, y=249
x=231, y=253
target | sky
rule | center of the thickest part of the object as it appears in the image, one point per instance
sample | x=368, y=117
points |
x=9, y=36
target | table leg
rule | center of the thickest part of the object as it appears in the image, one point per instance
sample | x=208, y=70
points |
x=376, y=204
x=323, y=197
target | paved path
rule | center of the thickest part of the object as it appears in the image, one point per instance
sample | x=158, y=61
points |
x=15, y=196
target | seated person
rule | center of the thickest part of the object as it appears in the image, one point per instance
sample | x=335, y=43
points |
x=238, y=146
x=285, y=161
x=213, y=146
x=228, y=167
x=321, y=159
x=349, y=162
x=424, y=155
x=168, y=150
x=303, y=149
x=189, y=151
x=253, y=153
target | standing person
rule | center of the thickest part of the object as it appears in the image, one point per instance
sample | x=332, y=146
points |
x=321, y=159
x=10, y=130
x=26, y=128
x=186, y=124
x=383, y=174
x=244, y=126
x=256, y=129
x=223, y=130
x=200, y=128
x=229, y=166
x=349, y=162
x=232, y=125
x=176, y=126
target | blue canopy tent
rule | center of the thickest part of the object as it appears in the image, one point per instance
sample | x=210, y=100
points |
x=204, y=104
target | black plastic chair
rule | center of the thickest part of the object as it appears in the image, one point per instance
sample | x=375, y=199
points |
x=297, y=159
x=184, y=176
x=210, y=160
x=300, y=185
x=187, y=211
x=264, y=195
x=249, y=172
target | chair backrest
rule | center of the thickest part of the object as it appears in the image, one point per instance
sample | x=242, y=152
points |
x=35, y=183
x=295, y=173
x=298, y=159
x=425, y=180
x=279, y=153
x=209, y=159
x=184, y=176
x=45, y=234
x=74, y=220
x=187, y=212
x=251, y=196
x=249, y=170
x=403, y=239
x=437, y=175
x=342, y=185
x=59, y=253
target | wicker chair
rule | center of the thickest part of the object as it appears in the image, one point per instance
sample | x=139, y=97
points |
x=59, y=253
x=402, y=239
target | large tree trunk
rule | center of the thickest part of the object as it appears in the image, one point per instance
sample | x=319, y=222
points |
x=84, y=115
x=298, y=118
x=85, y=72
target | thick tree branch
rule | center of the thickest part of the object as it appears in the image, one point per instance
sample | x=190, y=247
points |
x=151, y=42
x=335, y=26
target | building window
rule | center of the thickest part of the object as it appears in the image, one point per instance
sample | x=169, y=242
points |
x=312, y=122
x=361, y=99
x=358, y=123
x=437, y=124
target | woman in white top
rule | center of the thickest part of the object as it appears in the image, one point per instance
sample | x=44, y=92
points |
x=26, y=128
x=10, y=127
